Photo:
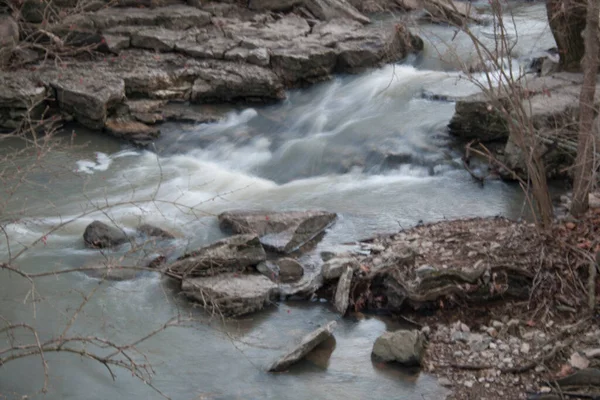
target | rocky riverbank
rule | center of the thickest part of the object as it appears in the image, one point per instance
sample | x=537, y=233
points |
x=140, y=59
x=495, y=309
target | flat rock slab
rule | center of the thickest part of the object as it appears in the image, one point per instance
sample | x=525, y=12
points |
x=231, y=294
x=342, y=292
x=307, y=343
x=233, y=254
x=282, y=232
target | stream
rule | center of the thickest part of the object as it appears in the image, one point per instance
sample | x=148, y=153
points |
x=370, y=147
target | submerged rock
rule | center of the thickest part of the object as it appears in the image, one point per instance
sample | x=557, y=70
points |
x=231, y=294
x=300, y=350
x=403, y=346
x=154, y=232
x=282, y=232
x=101, y=236
x=233, y=254
x=290, y=270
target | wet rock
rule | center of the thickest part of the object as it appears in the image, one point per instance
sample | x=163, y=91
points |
x=231, y=294
x=273, y=5
x=233, y=254
x=342, y=291
x=132, y=131
x=403, y=346
x=305, y=62
x=114, y=273
x=298, y=352
x=9, y=37
x=290, y=270
x=475, y=117
x=269, y=269
x=101, y=236
x=154, y=232
x=282, y=232
x=335, y=267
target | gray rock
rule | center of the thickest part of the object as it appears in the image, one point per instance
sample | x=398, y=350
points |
x=20, y=97
x=290, y=270
x=298, y=352
x=282, y=232
x=116, y=43
x=132, y=131
x=269, y=269
x=100, y=235
x=172, y=17
x=403, y=346
x=86, y=94
x=154, y=232
x=476, y=118
x=258, y=56
x=334, y=268
x=342, y=292
x=305, y=62
x=158, y=39
x=231, y=81
x=273, y=5
x=231, y=294
x=9, y=37
x=207, y=47
x=233, y=254
x=331, y=9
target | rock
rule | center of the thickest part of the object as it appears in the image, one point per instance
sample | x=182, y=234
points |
x=20, y=97
x=154, y=232
x=273, y=5
x=9, y=37
x=179, y=17
x=578, y=361
x=525, y=348
x=290, y=270
x=116, y=43
x=403, y=346
x=478, y=342
x=113, y=273
x=476, y=118
x=282, y=232
x=342, y=291
x=306, y=62
x=233, y=254
x=331, y=9
x=101, y=236
x=454, y=12
x=269, y=269
x=232, y=81
x=86, y=94
x=252, y=56
x=132, y=131
x=231, y=294
x=334, y=268
x=158, y=39
x=443, y=381
x=299, y=351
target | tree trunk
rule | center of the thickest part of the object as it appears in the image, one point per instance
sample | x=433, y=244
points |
x=584, y=163
x=567, y=19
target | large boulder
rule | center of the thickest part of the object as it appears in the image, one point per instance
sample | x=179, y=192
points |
x=281, y=232
x=342, y=292
x=403, y=346
x=477, y=118
x=233, y=254
x=100, y=235
x=299, y=351
x=231, y=294
x=85, y=93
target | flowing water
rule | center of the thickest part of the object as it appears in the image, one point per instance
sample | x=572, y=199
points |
x=323, y=148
